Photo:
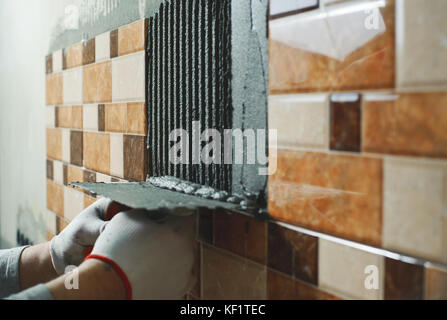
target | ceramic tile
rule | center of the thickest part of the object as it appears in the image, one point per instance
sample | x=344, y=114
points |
x=97, y=152
x=128, y=80
x=88, y=201
x=115, y=117
x=205, y=231
x=131, y=38
x=342, y=270
x=101, y=117
x=50, y=170
x=103, y=178
x=73, y=56
x=73, y=204
x=50, y=221
x=435, y=284
x=300, y=120
x=49, y=64
x=74, y=174
x=414, y=219
x=136, y=118
x=116, y=155
x=280, y=8
x=90, y=117
x=76, y=117
x=421, y=37
x=54, y=144
x=343, y=47
x=58, y=168
x=50, y=117
x=76, y=148
x=54, y=87
x=403, y=281
x=323, y=192
x=97, y=82
x=63, y=117
x=102, y=47
x=66, y=145
x=61, y=224
x=89, y=52
x=345, y=122
x=55, y=198
x=57, y=61
x=225, y=276
x=73, y=86
x=89, y=176
x=241, y=235
x=114, y=44
x=65, y=174
x=293, y=253
x=406, y=124
x=135, y=158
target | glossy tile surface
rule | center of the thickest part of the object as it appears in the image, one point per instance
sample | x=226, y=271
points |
x=97, y=152
x=403, y=281
x=435, y=284
x=102, y=47
x=345, y=118
x=128, y=78
x=89, y=54
x=97, y=83
x=55, y=198
x=115, y=117
x=73, y=56
x=135, y=158
x=136, y=118
x=54, y=87
x=54, y=144
x=131, y=38
x=76, y=148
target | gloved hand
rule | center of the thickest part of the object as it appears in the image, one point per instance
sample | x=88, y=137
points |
x=70, y=246
x=154, y=256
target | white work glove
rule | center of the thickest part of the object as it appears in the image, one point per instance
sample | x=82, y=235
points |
x=72, y=244
x=153, y=257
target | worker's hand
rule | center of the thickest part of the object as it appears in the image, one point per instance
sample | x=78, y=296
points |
x=154, y=257
x=71, y=245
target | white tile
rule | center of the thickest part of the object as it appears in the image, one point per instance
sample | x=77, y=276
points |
x=116, y=155
x=51, y=117
x=50, y=221
x=72, y=87
x=102, y=47
x=103, y=178
x=73, y=203
x=66, y=151
x=57, y=61
x=128, y=74
x=415, y=208
x=58, y=172
x=300, y=120
x=342, y=271
x=90, y=117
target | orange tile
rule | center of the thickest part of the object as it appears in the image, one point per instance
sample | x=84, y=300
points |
x=136, y=118
x=61, y=225
x=116, y=117
x=73, y=55
x=323, y=192
x=55, y=198
x=64, y=117
x=131, y=38
x=54, y=85
x=435, y=284
x=49, y=236
x=406, y=124
x=330, y=64
x=97, y=152
x=54, y=144
x=97, y=82
x=74, y=174
x=88, y=201
x=77, y=117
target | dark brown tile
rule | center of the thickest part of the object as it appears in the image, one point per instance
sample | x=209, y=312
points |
x=196, y=271
x=293, y=253
x=101, y=118
x=240, y=234
x=64, y=59
x=76, y=145
x=114, y=44
x=345, y=125
x=89, y=176
x=135, y=158
x=65, y=167
x=205, y=226
x=49, y=64
x=403, y=281
x=88, y=53
x=435, y=284
x=56, y=116
x=50, y=170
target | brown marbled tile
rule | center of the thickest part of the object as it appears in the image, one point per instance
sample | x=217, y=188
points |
x=135, y=158
x=73, y=56
x=63, y=117
x=283, y=287
x=369, y=65
x=323, y=192
x=114, y=44
x=89, y=176
x=55, y=198
x=54, y=144
x=97, y=152
x=88, y=52
x=205, y=231
x=345, y=125
x=97, y=82
x=241, y=235
x=74, y=174
x=76, y=148
x=49, y=64
x=435, y=284
x=101, y=118
x=50, y=170
x=410, y=124
x=76, y=117
x=65, y=174
x=403, y=281
x=136, y=118
x=293, y=253
x=64, y=59
x=54, y=85
x=116, y=117
x=131, y=38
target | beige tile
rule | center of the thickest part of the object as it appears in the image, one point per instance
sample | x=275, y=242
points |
x=116, y=155
x=225, y=276
x=342, y=271
x=414, y=217
x=97, y=82
x=102, y=49
x=421, y=43
x=73, y=55
x=136, y=118
x=73, y=203
x=103, y=178
x=131, y=38
x=54, y=144
x=90, y=117
x=128, y=80
x=50, y=221
x=76, y=117
x=97, y=152
x=300, y=120
x=57, y=61
x=50, y=117
x=58, y=172
x=54, y=89
x=75, y=174
x=66, y=146
x=73, y=86
x=55, y=198
x=116, y=117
